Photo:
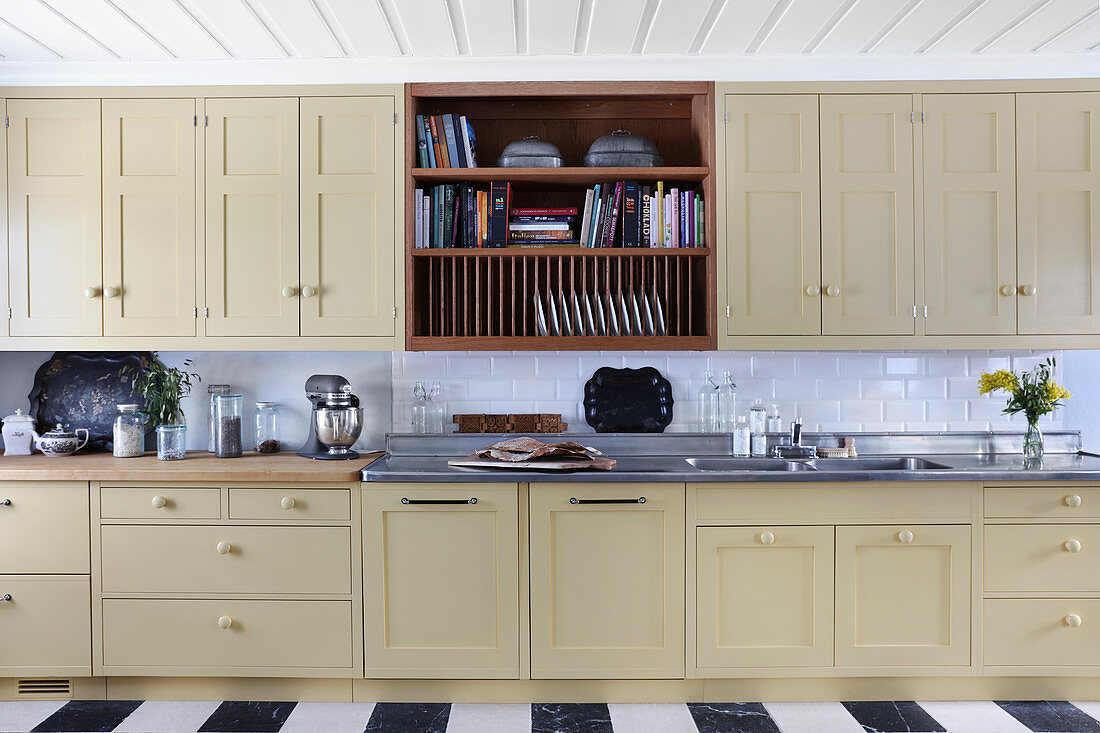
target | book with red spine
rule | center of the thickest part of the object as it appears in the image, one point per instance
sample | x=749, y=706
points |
x=616, y=205
x=545, y=212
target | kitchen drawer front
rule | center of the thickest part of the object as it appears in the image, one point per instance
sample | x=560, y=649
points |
x=1040, y=632
x=47, y=625
x=775, y=503
x=44, y=527
x=1042, y=557
x=162, y=502
x=226, y=559
x=257, y=634
x=1049, y=502
x=290, y=504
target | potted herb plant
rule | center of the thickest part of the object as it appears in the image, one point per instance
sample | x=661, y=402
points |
x=1033, y=393
x=162, y=388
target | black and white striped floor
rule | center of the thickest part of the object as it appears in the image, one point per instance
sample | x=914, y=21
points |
x=308, y=717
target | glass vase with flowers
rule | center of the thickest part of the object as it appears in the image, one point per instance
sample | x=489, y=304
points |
x=1034, y=393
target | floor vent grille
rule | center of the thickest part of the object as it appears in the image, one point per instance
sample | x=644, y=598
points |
x=53, y=688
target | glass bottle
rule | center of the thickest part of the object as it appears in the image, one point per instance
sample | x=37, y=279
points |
x=171, y=442
x=758, y=422
x=267, y=428
x=727, y=403
x=758, y=443
x=775, y=423
x=128, y=436
x=709, y=417
x=741, y=444
x=212, y=390
x=227, y=425
x=420, y=409
x=436, y=409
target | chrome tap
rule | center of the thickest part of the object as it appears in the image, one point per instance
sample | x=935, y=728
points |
x=796, y=431
x=795, y=449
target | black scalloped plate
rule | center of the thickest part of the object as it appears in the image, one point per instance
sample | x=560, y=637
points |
x=628, y=401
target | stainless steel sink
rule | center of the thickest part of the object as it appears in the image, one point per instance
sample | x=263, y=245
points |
x=886, y=463
x=732, y=463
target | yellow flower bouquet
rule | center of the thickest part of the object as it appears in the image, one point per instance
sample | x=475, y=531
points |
x=1033, y=393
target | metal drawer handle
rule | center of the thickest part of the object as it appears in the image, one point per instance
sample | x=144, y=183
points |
x=471, y=500
x=5, y=597
x=5, y=502
x=639, y=500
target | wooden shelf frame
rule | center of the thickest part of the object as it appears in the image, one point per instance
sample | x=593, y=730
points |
x=677, y=116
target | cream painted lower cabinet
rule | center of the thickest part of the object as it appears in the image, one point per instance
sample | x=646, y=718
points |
x=441, y=567
x=607, y=581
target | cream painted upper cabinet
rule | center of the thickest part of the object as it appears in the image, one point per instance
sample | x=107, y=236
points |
x=252, y=217
x=867, y=227
x=54, y=241
x=149, y=198
x=773, y=267
x=347, y=216
x=1058, y=182
x=970, y=213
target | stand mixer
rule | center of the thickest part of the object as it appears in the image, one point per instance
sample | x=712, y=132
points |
x=336, y=420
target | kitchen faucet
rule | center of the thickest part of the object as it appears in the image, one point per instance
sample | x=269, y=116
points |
x=795, y=449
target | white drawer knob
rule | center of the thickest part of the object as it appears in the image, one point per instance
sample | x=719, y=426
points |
x=225, y=622
x=287, y=502
x=832, y=291
x=308, y=291
x=1028, y=290
x=813, y=291
x=91, y=292
x=289, y=291
x=110, y=292
x=767, y=538
x=1072, y=620
x=1007, y=290
x=1073, y=500
x=224, y=548
x=159, y=502
x=1073, y=546
x=905, y=536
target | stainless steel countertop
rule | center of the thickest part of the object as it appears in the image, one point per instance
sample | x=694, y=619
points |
x=663, y=459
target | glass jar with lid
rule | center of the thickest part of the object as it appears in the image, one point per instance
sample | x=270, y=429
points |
x=171, y=442
x=267, y=427
x=128, y=437
x=227, y=425
x=212, y=390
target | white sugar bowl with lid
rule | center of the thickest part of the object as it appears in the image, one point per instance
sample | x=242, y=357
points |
x=61, y=442
x=18, y=434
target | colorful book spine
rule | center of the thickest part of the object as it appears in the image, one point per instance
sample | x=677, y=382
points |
x=690, y=219
x=702, y=239
x=518, y=226
x=613, y=218
x=455, y=148
x=586, y=218
x=418, y=218
x=569, y=211
x=543, y=234
x=429, y=148
x=500, y=204
x=593, y=224
x=471, y=144
x=645, y=209
x=630, y=214
x=421, y=143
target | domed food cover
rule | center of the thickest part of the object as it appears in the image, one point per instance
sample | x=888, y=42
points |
x=620, y=148
x=531, y=152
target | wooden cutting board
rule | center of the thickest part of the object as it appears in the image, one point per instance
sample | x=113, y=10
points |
x=538, y=464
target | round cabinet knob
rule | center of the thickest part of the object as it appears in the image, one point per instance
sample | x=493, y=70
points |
x=225, y=622
x=905, y=536
x=287, y=502
x=5, y=502
x=832, y=291
x=309, y=291
x=91, y=292
x=159, y=502
x=1073, y=500
x=6, y=597
x=110, y=292
x=767, y=538
x=224, y=548
x=1073, y=546
x=289, y=291
x=813, y=291
x=1008, y=290
x=1028, y=290
x=1072, y=620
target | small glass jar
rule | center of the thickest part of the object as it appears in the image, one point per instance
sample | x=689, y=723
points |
x=171, y=442
x=267, y=427
x=227, y=425
x=128, y=437
x=212, y=390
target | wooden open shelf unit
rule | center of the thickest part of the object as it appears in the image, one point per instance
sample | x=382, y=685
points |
x=483, y=299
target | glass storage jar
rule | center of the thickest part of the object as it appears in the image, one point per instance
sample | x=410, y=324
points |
x=128, y=437
x=267, y=427
x=171, y=442
x=227, y=425
x=212, y=390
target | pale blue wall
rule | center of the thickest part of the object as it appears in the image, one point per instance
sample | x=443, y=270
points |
x=1081, y=370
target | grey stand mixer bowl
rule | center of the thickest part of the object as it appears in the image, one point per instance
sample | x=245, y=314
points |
x=336, y=421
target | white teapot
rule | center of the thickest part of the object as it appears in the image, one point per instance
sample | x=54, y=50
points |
x=18, y=433
x=60, y=442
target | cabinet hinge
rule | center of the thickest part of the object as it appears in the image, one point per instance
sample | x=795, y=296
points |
x=196, y=120
x=395, y=118
x=395, y=311
x=912, y=117
x=196, y=311
x=727, y=311
x=726, y=117
x=922, y=117
x=9, y=314
x=914, y=311
x=6, y=121
x=206, y=120
x=205, y=312
x=925, y=311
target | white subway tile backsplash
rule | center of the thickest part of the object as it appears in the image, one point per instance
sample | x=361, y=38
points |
x=469, y=366
x=774, y=365
x=883, y=389
x=977, y=363
x=818, y=366
x=796, y=389
x=932, y=388
x=904, y=365
x=514, y=366
x=490, y=389
x=907, y=411
x=946, y=410
x=861, y=365
x=945, y=365
x=863, y=411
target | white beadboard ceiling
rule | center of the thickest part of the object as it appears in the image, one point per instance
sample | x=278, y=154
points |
x=241, y=40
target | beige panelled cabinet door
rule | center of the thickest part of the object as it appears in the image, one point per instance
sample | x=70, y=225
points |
x=970, y=213
x=765, y=597
x=607, y=581
x=902, y=596
x=54, y=240
x=252, y=217
x=867, y=227
x=149, y=217
x=773, y=267
x=441, y=581
x=1058, y=194
x=347, y=237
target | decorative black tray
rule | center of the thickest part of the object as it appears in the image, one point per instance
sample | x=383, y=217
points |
x=628, y=401
x=80, y=389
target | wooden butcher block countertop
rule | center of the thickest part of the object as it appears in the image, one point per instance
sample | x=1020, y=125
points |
x=198, y=466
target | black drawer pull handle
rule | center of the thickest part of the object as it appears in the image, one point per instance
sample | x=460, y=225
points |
x=5, y=597
x=639, y=500
x=471, y=500
x=5, y=502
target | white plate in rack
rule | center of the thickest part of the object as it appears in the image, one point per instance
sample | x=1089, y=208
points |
x=540, y=316
x=659, y=314
x=624, y=316
x=639, y=328
x=601, y=317
x=566, y=325
x=612, y=316
x=555, y=324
